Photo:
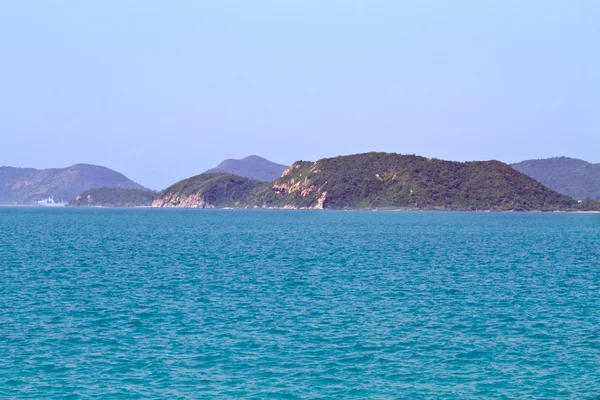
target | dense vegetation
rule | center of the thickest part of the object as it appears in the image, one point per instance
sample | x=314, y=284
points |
x=114, y=197
x=374, y=181
x=217, y=190
x=26, y=185
x=576, y=178
x=387, y=180
x=361, y=181
x=252, y=167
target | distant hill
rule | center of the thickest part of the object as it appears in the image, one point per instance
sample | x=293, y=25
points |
x=252, y=167
x=114, y=197
x=373, y=181
x=576, y=178
x=26, y=185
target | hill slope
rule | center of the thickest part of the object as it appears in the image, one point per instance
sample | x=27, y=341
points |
x=114, y=197
x=252, y=167
x=373, y=180
x=208, y=191
x=383, y=180
x=26, y=185
x=576, y=178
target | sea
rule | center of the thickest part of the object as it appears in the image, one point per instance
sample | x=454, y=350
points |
x=273, y=304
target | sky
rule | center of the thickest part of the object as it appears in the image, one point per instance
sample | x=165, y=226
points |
x=162, y=90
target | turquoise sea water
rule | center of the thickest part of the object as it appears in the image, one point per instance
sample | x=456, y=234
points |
x=275, y=304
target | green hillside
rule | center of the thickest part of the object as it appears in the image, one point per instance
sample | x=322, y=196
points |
x=114, y=197
x=374, y=181
x=576, y=178
x=208, y=191
x=27, y=185
x=387, y=180
x=252, y=167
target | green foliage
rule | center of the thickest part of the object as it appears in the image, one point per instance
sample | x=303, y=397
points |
x=572, y=177
x=376, y=181
x=114, y=197
x=219, y=190
x=386, y=180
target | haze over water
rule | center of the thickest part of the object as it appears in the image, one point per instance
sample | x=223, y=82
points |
x=274, y=304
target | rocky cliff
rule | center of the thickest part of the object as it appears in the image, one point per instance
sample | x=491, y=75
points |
x=388, y=180
x=373, y=181
x=208, y=191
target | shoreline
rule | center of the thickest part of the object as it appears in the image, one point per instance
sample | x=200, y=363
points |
x=310, y=209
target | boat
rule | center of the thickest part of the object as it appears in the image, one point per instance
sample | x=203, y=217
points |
x=49, y=202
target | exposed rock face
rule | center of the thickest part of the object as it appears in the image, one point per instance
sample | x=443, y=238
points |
x=84, y=198
x=170, y=200
x=213, y=190
x=321, y=201
x=301, y=184
x=396, y=181
x=291, y=168
x=360, y=181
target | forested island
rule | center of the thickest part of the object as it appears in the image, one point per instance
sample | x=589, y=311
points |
x=360, y=181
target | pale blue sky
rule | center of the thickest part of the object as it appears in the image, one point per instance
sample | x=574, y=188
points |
x=161, y=90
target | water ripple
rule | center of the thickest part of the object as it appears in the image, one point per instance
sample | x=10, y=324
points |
x=185, y=304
